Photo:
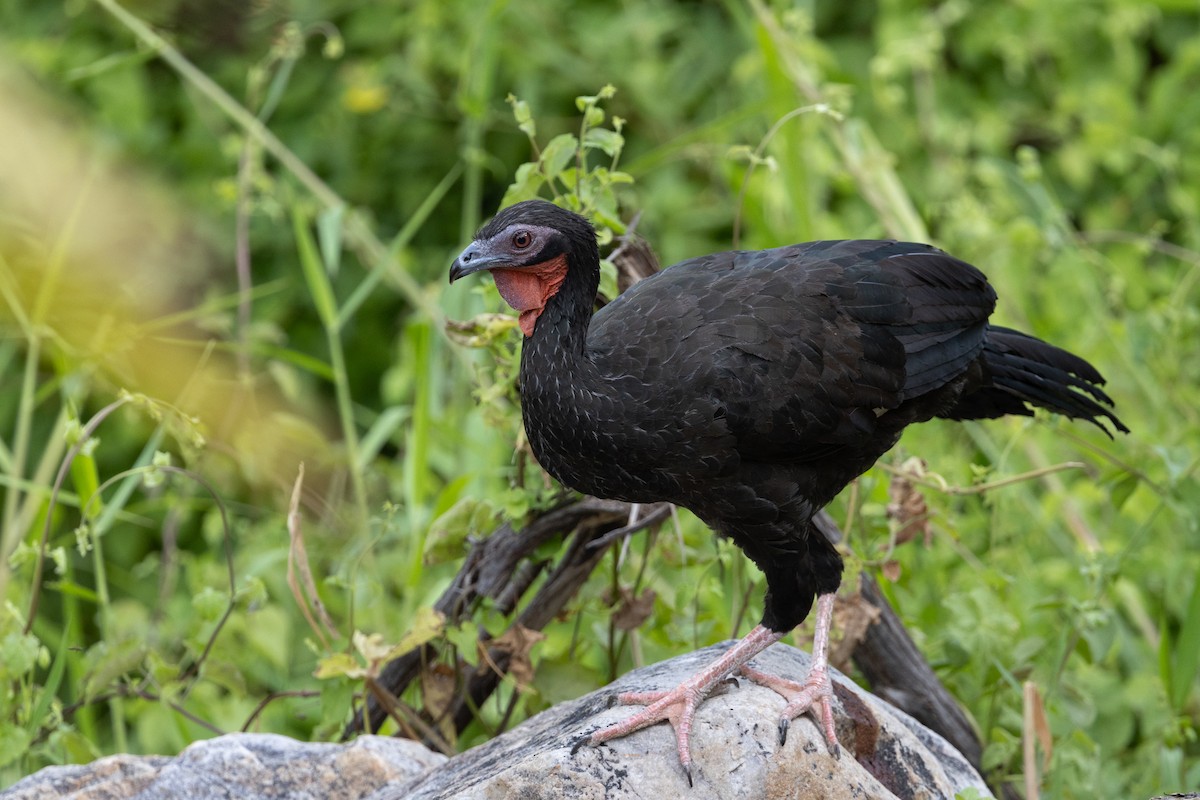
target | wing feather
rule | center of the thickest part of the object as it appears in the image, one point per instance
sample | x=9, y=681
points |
x=799, y=349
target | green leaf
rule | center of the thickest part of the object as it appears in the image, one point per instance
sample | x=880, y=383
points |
x=523, y=115
x=569, y=178
x=336, y=697
x=329, y=235
x=14, y=742
x=604, y=211
x=108, y=662
x=608, y=278
x=427, y=625
x=319, y=287
x=210, y=604
x=558, y=154
x=77, y=747
x=970, y=793
x=86, y=479
x=469, y=517
x=525, y=186
x=604, y=139
x=1187, y=652
x=338, y=665
x=72, y=588
x=226, y=675
x=153, y=476
x=1122, y=490
x=49, y=691
x=18, y=655
x=1165, y=667
x=593, y=117
x=252, y=594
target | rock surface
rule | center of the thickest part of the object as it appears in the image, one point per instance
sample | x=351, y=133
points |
x=735, y=751
x=246, y=766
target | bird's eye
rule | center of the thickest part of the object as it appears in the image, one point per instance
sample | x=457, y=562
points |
x=522, y=239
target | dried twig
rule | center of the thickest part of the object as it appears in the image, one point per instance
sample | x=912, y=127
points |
x=501, y=568
x=298, y=570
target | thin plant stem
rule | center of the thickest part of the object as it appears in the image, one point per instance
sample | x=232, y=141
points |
x=357, y=231
x=345, y=404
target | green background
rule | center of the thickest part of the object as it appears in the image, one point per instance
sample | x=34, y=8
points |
x=1056, y=145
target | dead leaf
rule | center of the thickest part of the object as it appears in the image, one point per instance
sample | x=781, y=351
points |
x=907, y=504
x=852, y=616
x=1036, y=729
x=299, y=575
x=633, y=611
x=891, y=570
x=439, y=686
x=516, y=642
x=372, y=647
x=634, y=260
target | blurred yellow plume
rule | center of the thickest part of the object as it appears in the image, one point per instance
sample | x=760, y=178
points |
x=103, y=265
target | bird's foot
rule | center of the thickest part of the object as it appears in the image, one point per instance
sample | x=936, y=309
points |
x=814, y=695
x=678, y=706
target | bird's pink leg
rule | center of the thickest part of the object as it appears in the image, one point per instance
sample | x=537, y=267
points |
x=678, y=706
x=816, y=692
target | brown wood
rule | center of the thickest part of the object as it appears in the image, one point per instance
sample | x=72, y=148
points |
x=501, y=568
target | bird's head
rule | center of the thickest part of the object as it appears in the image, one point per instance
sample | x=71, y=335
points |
x=528, y=248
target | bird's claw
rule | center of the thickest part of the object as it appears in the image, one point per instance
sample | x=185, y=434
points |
x=835, y=748
x=814, y=695
x=677, y=706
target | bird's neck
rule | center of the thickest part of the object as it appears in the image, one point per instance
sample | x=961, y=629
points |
x=559, y=341
x=565, y=399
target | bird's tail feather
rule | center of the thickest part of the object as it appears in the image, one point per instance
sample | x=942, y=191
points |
x=1023, y=371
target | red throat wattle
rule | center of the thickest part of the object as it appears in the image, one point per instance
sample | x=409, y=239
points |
x=528, y=289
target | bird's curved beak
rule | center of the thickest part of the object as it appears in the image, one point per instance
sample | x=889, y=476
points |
x=473, y=259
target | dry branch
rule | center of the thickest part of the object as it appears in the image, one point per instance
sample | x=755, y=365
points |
x=501, y=568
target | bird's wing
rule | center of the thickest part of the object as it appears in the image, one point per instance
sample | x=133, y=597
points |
x=799, y=349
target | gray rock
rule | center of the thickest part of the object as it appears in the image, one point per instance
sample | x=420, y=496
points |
x=735, y=751
x=246, y=766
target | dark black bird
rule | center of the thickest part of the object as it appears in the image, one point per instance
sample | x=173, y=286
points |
x=750, y=388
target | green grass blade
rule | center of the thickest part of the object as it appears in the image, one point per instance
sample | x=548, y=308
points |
x=1187, y=653
x=319, y=287
x=379, y=433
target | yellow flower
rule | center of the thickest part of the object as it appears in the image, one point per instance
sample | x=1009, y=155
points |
x=365, y=98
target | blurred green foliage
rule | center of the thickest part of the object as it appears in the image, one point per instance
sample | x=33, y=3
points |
x=254, y=226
